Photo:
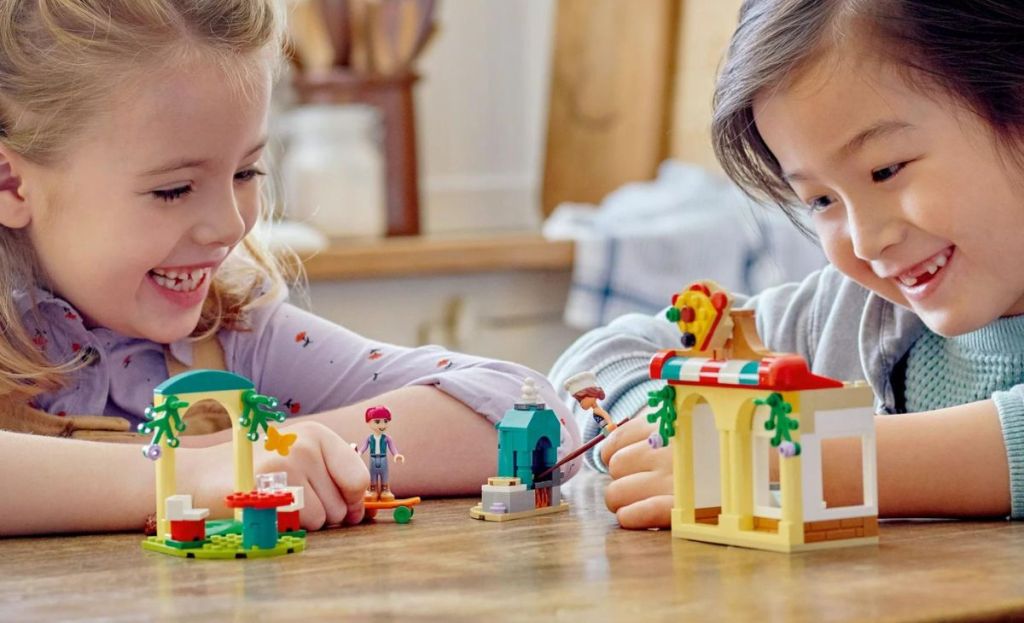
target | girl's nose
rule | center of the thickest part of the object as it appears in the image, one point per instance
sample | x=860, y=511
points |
x=873, y=229
x=221, y=223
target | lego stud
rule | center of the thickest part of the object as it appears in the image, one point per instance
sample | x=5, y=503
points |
x=688, y=314
x=672, y=313
x=530, y=396
x=688, y=340
x=151, y=451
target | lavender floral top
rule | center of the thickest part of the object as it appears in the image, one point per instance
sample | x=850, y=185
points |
x=310, y=364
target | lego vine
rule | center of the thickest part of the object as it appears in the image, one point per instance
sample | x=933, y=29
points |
x=781, y=423
x=166, y=421
x=665, y=400
x=257, y=411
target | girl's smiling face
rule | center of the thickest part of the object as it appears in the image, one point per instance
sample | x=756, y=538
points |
x=909, y=192
x=131, y=225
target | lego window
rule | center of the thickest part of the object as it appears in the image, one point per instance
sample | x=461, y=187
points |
x=707, y=464
x=844, y=456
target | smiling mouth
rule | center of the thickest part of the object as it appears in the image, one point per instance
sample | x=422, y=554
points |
x=181, y=280
x=925, y=271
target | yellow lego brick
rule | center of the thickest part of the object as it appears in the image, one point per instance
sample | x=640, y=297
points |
x=503, y=481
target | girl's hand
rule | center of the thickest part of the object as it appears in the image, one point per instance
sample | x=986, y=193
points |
x=640, y=493
x=334, y=478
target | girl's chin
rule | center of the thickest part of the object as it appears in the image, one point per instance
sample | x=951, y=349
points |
x=169, y=332
x=948, y=323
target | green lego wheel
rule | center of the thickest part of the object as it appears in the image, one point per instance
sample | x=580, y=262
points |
x=403, y=514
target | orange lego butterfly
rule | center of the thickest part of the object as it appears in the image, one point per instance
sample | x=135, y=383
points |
x=276, y=441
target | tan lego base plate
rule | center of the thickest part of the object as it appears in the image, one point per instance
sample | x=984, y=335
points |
x=477, y=512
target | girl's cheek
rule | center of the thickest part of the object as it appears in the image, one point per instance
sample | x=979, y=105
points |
x=831, y=233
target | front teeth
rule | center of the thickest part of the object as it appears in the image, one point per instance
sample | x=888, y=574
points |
x=932, y=266
x=183, y=281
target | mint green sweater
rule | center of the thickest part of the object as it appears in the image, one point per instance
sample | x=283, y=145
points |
x=945, y=372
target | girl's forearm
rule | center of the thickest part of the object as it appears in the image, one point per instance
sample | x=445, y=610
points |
x=57, y=485
x=449, y=449
x=945, y=463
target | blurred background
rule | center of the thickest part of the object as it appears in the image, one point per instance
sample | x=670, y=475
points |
x=499, y=176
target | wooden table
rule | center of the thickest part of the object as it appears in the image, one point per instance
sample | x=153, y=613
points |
x=576, y=566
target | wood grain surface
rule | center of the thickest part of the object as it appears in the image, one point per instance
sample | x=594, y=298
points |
x=575, y=566
x=610, y=98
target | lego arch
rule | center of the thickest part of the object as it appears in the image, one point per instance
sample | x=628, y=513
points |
x=543, y=451
x=215, y=391
x=720, y=454
x=203, y=381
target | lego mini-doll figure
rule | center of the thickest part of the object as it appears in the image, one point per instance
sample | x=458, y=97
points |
x=584, y=388
x=379, y=444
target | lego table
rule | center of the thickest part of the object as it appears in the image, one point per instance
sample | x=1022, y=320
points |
x=574, y=566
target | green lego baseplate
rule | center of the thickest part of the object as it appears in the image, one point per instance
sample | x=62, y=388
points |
x=224, y=541
x=227, y=547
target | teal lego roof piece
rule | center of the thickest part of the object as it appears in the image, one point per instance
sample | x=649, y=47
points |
x=201, y=381
x=515, y=418
x=524, y=424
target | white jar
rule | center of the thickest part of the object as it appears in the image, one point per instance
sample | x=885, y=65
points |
x=333, y=170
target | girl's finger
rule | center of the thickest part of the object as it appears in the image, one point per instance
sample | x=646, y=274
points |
x=653, y=512
x=635, y=487
x=635, y=430
x=349, y=475
x=638, y=457
x=312, y=516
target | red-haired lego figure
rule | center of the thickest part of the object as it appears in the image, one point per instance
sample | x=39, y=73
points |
x=584, y=388
x=379, y=444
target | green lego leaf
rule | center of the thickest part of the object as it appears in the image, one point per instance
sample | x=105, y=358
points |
x=665, y=401
x=780, y=422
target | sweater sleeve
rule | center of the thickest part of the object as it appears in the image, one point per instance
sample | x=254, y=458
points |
x=312, y=365
x=1010, y=405
x=790, y=318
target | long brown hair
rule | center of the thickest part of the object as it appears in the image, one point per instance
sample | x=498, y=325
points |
x=59, y=62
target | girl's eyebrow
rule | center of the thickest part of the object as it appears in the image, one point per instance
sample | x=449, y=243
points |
x=875, y=131
x=194, y=163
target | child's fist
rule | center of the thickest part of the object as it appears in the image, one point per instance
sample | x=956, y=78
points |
x=334, y=478
x=640, y=493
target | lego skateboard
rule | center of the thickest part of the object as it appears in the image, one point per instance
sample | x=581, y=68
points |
x=403, y=508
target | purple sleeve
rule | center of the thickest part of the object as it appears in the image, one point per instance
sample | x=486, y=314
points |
x=363, y=446
x=313, y=365
x=391, y=445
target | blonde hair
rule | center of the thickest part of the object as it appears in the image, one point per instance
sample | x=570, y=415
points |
x=59, y=62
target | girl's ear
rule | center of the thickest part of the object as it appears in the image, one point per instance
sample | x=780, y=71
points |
x=14, y=210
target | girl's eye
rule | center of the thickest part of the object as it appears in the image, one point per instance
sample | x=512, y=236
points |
x=886, y=173
x=248, y=174
x=173, y=193
x=819, y=204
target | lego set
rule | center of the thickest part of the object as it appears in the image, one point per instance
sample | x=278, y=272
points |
x=528, y=439
x=266, y=521
x=726, y=402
